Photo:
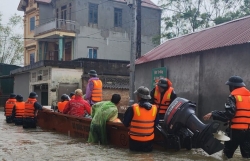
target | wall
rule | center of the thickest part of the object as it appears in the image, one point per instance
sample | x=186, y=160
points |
x=60, y=75
x=217, y=66
x=201, y=76
x=21, y=85
x=112, y=42
x=46, y=13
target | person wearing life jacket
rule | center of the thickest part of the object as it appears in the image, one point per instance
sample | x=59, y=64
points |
x=93, y=88
x=237, y=114
x=18, y=110
x=64, y=100
x=141, y=118
x=78, y=106
x=162, y=96
x=31, y=110
x=9, y=107
x=72, y=95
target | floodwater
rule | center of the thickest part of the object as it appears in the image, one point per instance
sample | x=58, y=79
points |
x=20, y=144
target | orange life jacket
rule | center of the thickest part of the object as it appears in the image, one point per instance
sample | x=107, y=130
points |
x=29, y=110
x=61, y=105
x=96, y=95
x=20, y=106
x=142, y=124
x=9, y=106
x=163, y=104
x=73, y=97
x=241, y=119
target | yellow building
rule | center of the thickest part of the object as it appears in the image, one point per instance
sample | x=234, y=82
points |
x=47, y=36
x=96, y=29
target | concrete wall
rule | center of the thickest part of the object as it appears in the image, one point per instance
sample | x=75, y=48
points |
x=60, y=75
x=46, y=13
x=21, y=85
x=112, y=42
x=201, y=76
x=217, y=66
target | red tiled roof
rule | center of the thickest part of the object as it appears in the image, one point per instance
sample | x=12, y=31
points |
x=145, y=3
x=226, y=34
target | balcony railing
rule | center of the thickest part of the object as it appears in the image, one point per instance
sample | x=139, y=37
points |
x=56, y=24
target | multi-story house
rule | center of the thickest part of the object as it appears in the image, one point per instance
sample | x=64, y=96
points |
x=97, y=29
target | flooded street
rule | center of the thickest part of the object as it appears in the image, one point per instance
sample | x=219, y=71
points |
x=21, y=144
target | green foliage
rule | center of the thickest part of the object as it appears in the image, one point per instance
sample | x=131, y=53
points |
x=11, y=43
x=156, y=40
x=185, y=16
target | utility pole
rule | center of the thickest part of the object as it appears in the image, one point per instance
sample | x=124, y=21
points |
x=138, y=18
x=133, y=52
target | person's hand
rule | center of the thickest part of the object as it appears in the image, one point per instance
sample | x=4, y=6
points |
x=207, y=116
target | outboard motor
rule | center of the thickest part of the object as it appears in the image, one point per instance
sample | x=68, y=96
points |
x=180, y=120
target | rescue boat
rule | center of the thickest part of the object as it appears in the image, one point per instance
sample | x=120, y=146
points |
x=185, y=130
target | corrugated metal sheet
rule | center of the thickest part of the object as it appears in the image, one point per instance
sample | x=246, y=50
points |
x=227, y=34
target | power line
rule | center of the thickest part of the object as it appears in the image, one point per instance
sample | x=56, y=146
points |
x=162, y=8
x=85, y=36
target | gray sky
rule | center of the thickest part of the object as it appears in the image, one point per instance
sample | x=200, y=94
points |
x=8, y=8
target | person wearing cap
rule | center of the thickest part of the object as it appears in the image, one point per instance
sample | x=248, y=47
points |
x=31, y=110
x=72, y=95
x=237, y=114
x=18, y=110
x=64, y=100
x=101, y=113
x=162, y=96
x=78, y=106
x=93, y=88
x=141, y=118
x=9, y=107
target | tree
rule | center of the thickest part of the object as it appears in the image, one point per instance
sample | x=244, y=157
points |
x=185, y=16
x=11, y=43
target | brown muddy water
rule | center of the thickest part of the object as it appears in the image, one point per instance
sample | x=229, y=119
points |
x=18, y=144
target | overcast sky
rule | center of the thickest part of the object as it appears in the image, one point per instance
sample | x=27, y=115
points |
x=9, y=7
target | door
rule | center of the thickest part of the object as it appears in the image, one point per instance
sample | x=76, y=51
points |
x=68, y=47
x=44, y=98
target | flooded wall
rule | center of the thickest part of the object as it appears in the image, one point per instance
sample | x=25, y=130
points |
x=201, y=76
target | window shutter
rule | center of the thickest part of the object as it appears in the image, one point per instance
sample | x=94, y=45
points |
x=90, y=53
x=94, y=54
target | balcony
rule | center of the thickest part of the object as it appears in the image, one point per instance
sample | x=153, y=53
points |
x=56, y=25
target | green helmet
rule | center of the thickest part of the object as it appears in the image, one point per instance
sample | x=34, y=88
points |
x=143, y=92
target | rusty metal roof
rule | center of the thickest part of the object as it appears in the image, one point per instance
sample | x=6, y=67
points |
x=226, y=34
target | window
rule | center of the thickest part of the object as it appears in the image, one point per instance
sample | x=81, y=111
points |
x=93, y=13
x=70, y=7
x=32, y=58
x=57, y=13
x=118, y=17
x=64, y=12
x=92, y=53
x=32, y=23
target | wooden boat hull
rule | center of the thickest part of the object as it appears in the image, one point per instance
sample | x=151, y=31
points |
x=73, y=126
